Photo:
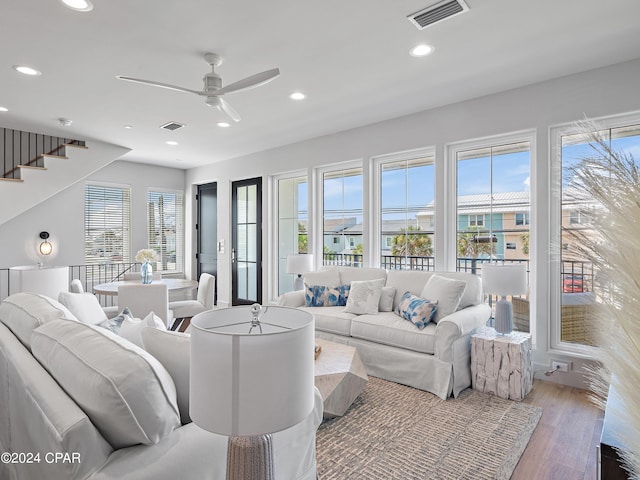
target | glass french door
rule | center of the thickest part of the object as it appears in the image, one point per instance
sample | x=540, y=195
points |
x=246, y=254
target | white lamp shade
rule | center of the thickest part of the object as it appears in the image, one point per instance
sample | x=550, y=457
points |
x=251, y=384
x=504, y=279
x=299, y=263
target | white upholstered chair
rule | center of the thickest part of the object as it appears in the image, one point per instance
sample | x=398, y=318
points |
x=143, y=299
x=76, y=287
x=204, y=300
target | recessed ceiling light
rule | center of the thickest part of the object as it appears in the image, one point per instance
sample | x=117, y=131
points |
x=26, y=70
x=172, y=143
x=297, y=96
x=128, y=127
x=4, y=109
x=421, y=50
x=78, y=5
x=223, y=124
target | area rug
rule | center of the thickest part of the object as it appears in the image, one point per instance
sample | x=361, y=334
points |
x=393, y=432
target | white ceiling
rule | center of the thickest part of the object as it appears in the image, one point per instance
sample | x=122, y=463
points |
x=349, y=56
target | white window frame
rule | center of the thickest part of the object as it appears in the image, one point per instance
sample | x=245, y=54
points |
x=556, y=346
x=127, y=241
x=375, y=246
x=180, y=227
x=475, y=222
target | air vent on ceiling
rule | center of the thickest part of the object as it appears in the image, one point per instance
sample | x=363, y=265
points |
x=437, y=12
x=172, y=126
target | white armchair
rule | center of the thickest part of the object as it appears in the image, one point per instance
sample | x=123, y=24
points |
x=143, y=299
x=204, y=299
x=76, y=287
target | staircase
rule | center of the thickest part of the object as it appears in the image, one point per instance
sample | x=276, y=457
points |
x=28, y=185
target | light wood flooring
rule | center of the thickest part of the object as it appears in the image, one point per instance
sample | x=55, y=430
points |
x=563, y=445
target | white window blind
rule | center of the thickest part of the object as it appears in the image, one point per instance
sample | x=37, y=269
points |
x=165, y=227
x=107, y=221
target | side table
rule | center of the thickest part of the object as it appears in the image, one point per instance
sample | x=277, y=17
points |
x=501, y=364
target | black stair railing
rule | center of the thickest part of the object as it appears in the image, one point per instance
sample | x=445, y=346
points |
x=26, y=148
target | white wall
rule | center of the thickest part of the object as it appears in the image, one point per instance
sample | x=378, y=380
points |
x=596, y=93
x=63, y=216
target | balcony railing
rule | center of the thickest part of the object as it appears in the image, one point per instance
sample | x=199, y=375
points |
x=27, y=148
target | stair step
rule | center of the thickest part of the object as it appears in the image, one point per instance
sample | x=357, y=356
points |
x=72, y=145
x=2, y=179
x=48, y=155
x=32, y=167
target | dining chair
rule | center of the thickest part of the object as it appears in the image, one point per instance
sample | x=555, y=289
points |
x=76, y=287
x=143, y=299
x=204, y=301
x=128, y=276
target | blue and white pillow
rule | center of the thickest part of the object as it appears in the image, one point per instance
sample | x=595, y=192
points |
x=324, y=296
x=418, y=311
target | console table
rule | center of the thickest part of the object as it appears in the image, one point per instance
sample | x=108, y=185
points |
x=501, y=364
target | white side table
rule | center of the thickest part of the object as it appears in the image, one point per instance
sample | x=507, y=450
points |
x=501, y=364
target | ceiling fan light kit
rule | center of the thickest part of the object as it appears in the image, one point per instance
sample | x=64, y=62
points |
x=213, y=89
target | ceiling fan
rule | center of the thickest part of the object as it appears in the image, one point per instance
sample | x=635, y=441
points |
x=213, y=89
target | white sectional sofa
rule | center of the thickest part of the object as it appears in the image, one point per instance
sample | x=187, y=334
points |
x=435, y=359
x=80, y=402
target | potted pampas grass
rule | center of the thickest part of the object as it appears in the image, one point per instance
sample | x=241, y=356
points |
x=610, y=179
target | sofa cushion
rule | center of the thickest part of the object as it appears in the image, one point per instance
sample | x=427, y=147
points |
x=473, y=294
x=326, y=296
x=418, y=311
x=84, y=306
x=358, y=274
x=386, y=299
x=364, y=296
x=24, y=312
x=446, y=291
x=173, y=351
x=128, y=395
x=131, y=328
x=327, y=276
x=407, y=281
x=331, y=319
x=389, y=329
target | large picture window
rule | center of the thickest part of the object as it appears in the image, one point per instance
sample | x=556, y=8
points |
x=165, y=229
x=342, y=200
x=107, y=224
x=407, y=211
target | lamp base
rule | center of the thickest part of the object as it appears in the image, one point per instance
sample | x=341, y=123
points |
x=503, y=319
x=298, y=283
x=250, y=457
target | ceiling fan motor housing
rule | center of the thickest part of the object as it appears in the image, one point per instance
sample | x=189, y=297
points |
x=212, y=81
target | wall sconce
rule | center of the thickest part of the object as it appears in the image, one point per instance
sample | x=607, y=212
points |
x=45, y=247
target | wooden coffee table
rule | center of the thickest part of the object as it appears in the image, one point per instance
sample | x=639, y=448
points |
x=339, y=375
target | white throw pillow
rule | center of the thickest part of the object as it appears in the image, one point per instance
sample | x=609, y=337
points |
x=446, y=292
x=24, y=312
x=131, y=328
x=84, y=306
x=128, y=395
x=364, y=296
x=173, y=351
x=386, y=299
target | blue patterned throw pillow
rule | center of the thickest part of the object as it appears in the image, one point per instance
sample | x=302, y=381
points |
x=417, y=310
x=324, y=296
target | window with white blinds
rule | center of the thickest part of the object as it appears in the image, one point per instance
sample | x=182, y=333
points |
x=107, y=224
x=165, y=227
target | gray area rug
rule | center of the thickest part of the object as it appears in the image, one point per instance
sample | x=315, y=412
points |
x=396, y=432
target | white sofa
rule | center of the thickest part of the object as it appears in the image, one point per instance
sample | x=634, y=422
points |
x=435, y=359
x=117, y=416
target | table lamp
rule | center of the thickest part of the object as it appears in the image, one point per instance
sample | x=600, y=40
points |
x=504, y=280
x=299, y=264
x=251, y=375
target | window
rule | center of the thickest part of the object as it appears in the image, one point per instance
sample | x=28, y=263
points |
x=522, y=218
x=407, y=210
x=511, y=246
x=476, y=220
x=293, y=224
x=342, y=213
x=107, y=224
x=576, y=273
x=165, y=229
x=352, y=242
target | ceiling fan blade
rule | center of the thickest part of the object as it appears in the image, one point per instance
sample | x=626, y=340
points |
x=227, y=109
x=250, y=82
x=158, y=84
